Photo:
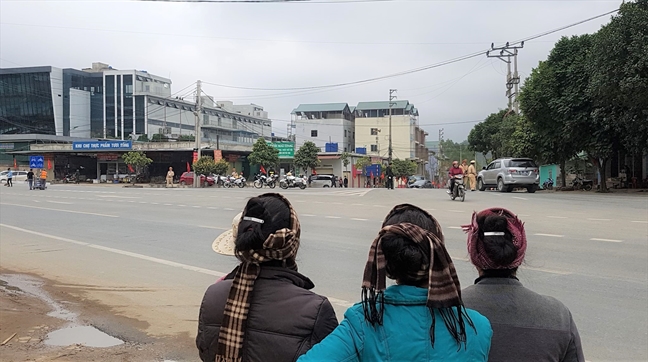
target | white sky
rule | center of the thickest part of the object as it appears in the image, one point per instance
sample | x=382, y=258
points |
x=300, y=45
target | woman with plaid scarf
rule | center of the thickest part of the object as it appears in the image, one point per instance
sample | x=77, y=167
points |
x=422, y=317
x=264, y=309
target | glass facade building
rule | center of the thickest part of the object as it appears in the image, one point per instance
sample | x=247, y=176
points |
x=26, y=102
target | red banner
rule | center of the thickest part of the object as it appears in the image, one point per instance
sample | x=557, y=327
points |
x=218, y=155
x=188, y=167
x=195, y=156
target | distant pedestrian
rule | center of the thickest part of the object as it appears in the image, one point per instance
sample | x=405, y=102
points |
x=334, y=181
x=30, y=179
x=341, y=182
x=390, y=177
x=43, y=179
x=472, y=175
x=346, y=182
x=169, y=177
x=9, y=178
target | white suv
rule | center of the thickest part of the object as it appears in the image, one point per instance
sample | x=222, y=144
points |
x=509, y=173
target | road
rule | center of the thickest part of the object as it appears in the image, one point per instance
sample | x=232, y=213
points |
x=146, y=253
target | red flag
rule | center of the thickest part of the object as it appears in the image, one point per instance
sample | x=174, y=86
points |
x=130, y=168
x=382, y=176
x=371, y=174
x=49, y=164
x=353, y=171
x=15, y=163
x=263, y=170
x=188, y=167
x=314, y=172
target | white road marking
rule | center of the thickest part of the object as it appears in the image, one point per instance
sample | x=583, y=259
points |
x=120, y=197
x=182, y=205
x=168, y=204
x=556, y=217
x=155, y=203
x=430, y=209
x=357, y=204
x=551, y=235
x=212, y=227
x=523, y=215
x=209, y=207
x=35, y=201
x=357, y=219
x=640, y=221
x=339, y=302
x=197, y=207
x=59, y=202
x=70, y=211
x=228, y=209
x=519, y=198
x=309, y=215
x=332, y=217
x=591, y=219
x=609, y=240
x=454, y=227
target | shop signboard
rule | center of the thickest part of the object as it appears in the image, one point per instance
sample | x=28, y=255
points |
x=286, y=149
x=101, y=145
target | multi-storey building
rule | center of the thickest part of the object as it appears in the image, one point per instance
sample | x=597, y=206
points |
x=372, y=131
x=331, y=123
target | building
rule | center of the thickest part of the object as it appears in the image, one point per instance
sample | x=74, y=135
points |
x=408, y=139
x=322, y=124
x=103, y=102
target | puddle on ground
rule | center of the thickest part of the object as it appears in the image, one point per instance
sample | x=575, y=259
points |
x=73, y=333
x=84, y=335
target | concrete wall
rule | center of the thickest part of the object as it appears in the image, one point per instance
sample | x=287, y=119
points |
x=328, y=130
x=79, y=113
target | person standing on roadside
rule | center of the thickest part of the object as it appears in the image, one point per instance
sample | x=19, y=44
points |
x=43, y=178
x=346, y=182
x=30, y=179
x=169, y=177
x=9, y=178
x=390, y=177
x=472, y=175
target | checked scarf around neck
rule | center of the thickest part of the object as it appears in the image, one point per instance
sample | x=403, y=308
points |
x=478, y=255
x=282, y=245
x=444, y=291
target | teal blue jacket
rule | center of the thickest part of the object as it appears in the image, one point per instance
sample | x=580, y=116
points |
x=404, y=335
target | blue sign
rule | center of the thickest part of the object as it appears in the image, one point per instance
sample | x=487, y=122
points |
x=102, y=145
x=36, y=162
x=373, y=169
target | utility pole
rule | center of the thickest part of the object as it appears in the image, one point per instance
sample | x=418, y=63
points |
x=197, y=113
x=512, y=79
x=441, y=158
x=391, y=104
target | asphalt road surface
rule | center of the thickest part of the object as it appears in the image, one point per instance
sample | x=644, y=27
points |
x=146, y=253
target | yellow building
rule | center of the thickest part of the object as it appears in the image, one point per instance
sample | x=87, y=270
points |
x=372, y=131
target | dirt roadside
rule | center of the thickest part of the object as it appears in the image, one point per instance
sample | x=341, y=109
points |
x=26, y=314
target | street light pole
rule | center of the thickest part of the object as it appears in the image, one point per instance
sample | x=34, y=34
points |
x=197, y=113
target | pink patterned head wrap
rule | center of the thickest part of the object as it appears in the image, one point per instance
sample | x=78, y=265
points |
x=478, y=255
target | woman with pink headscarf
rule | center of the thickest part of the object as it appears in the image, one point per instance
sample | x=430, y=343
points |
x=526, y=326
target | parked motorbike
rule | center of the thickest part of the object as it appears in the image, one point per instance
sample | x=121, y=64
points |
x=580, y=183
x=459, y=190
x=71, y=178
x=223, y=181
x=548, y=184
x=241, y=182
x=261, y=180
x=292, y=181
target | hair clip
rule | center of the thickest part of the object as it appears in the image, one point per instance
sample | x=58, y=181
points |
x=249, y=218
x=494, y=233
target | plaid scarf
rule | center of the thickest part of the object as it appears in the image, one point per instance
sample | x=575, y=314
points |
x=444, y=291
x=478, y=255
x=282, y=245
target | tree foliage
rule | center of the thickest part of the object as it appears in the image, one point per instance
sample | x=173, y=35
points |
x=264, y=154
x=362, y=162
x=205, y=165
x=158, y=137
x=136, y=159
x=403, y=168
x=221, y=167
x=306, y=156
x=186, y=138
x=345, y=157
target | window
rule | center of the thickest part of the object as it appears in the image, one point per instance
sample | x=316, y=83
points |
x=374, y=148
x=345, y=133
x=313, y=133
x=374, y=131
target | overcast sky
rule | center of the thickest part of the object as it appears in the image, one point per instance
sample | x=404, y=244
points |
x=289, y=45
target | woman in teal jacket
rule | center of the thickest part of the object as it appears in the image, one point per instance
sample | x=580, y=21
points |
x=422, y=317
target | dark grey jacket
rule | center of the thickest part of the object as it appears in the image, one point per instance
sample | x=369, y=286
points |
x=526, y=326
x=284, y=322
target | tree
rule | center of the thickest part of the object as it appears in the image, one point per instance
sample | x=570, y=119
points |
x=205, y=165
x=482, y=138
x=136, y=159
x=143, y=138
x=345, y=159
x=186, y=138
x=306, y=156
x=263, y=154
x=221, y=167
x=158, y=137
x=362, y=162
x=403, y=168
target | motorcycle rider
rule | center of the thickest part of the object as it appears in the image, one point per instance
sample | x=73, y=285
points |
x=454, y=171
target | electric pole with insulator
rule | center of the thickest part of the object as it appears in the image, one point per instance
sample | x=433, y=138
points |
x=391, y=104
x=197, y=113
x=505, y=54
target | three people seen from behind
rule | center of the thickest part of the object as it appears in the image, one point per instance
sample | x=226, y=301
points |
x=526, y=326
x=263, y=310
